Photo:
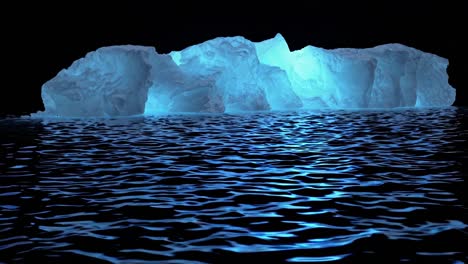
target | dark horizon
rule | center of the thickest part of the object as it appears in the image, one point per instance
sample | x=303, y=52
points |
x=41, y=39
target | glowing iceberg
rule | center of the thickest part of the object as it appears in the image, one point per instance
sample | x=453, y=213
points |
x=234, y=74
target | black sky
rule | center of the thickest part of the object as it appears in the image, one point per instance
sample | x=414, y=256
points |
x=40, y=39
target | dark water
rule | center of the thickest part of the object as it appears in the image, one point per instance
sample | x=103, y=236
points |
x=324, y=186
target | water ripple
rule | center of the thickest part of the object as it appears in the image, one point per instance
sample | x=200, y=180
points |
x=321, y=186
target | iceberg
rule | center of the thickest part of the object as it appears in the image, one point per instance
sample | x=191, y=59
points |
x=233, y=74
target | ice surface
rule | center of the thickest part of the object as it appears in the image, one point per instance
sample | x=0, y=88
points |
x=112, y=81
x=386, y=76
x=230, y=74
x=234, y=74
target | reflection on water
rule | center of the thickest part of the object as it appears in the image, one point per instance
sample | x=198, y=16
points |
x=288, y=186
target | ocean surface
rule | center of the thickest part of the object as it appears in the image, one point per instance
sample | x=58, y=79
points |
x=301, y=186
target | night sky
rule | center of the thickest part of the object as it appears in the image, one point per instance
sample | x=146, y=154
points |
x=40, y=39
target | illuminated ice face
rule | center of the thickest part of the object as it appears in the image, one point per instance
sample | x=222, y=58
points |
x=385, y=76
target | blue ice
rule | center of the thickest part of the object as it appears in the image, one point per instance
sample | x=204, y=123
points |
x=233, y=74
